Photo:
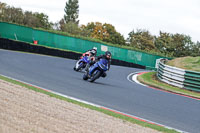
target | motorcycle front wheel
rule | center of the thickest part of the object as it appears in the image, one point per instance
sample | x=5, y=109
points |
x=95, y=76
x=85, y=77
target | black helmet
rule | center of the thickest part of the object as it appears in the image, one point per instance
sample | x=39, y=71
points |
x=108, y=54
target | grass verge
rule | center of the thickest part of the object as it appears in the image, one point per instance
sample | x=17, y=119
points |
x=126, y=118
x=188, y=63
x=151, y=79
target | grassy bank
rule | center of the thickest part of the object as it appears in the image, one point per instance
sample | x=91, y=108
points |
x=151, y=80
x=187, y=63
x=144, y=124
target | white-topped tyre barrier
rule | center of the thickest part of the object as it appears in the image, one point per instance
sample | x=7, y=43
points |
x=181, y=78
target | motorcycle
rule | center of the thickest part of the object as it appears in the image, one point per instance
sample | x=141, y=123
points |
x=82, y=62
x=96, y=71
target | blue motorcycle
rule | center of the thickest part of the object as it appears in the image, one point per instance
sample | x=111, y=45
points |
x=81, y=63
x=97, y=70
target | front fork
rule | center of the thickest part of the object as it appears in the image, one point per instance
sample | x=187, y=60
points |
x=92, y=69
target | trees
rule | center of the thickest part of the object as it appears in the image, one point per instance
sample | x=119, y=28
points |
x=17, y=15
x=42, y=20
x=71, y=11
x=70, y=23
x=141, y=39
x=105, y=32
x=3, y=7
x=176, y=45
x=164, y=43
x=195, y=49
x=94, y=30
x=29, y=19
x=181, y=45
x=113, y=36
x=98, y=31
x=10, y=14
x=71, y=28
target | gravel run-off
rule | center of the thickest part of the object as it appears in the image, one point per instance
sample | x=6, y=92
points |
x=25, y=111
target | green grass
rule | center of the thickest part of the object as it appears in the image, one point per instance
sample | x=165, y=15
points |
x=151, y=79
x=187, y=63
x=125, y=118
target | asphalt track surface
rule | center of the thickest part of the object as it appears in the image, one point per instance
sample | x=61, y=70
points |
x=114, y=91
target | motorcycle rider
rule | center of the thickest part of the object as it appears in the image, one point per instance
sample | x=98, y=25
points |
x=106, y=56
x=91, y=52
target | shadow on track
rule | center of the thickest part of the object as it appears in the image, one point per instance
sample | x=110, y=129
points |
x=103, y=84
x=97, y=83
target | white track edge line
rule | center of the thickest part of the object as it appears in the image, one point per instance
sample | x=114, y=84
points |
x=134, y=80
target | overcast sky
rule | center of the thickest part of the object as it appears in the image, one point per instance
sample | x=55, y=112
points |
x=172, y=16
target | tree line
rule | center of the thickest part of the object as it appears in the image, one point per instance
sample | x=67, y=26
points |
x=28, y=18
x=167, y=44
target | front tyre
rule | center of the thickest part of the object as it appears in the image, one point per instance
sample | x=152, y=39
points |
x=85, y=77
x=80, y=67
x=104, y=75
x=95, y=76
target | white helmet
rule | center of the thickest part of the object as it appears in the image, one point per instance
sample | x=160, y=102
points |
x=94, y=51
x=95, y=48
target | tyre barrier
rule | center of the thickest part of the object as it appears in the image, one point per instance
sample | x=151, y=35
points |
x=181, y=78
x=32, y=48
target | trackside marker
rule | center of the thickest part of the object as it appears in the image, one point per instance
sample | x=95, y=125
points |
x=141, y=73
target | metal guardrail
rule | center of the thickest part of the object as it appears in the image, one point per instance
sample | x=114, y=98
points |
x=178, y=77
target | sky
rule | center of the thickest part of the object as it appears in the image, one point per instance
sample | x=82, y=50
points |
x=172, y=16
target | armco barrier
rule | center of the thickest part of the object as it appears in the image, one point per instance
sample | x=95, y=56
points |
x=22, y=46
x=26, y=34
x=178, y=77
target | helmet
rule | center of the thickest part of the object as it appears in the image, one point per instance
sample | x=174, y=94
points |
x=95, y=48
x=108, y=54
x=93, y=51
